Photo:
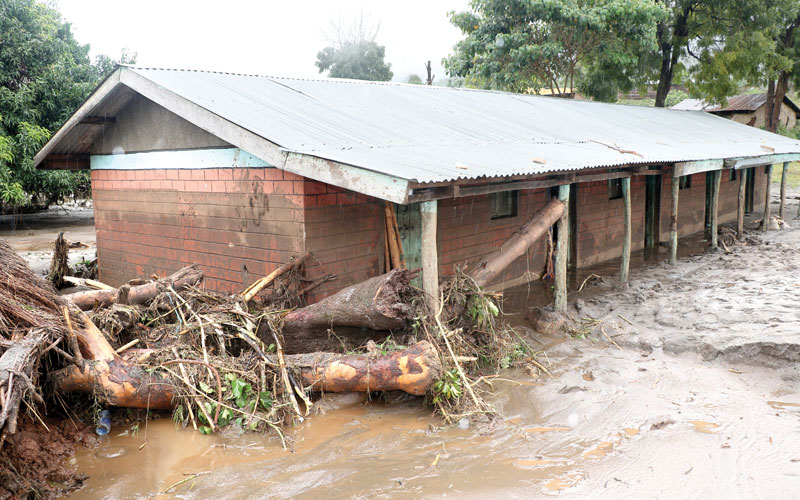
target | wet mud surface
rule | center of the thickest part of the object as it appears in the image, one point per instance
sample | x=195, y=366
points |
x=32, y=235
x=697, y=397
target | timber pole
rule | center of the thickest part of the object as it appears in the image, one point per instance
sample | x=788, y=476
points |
x=715, y=207
x=626, y=237
x=673, y=222
x=767, y=191
x=430, y=254
x=740, y=207
x=782, y=210
x=562, y=225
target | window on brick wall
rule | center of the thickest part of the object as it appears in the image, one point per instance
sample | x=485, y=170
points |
x=685, y=182
x=614, y=189
x=732, y=175
x=503, y=204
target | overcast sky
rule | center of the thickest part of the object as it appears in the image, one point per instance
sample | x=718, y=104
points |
x=279, y=38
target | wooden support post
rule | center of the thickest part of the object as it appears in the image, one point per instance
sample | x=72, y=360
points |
x=626, y=235
x=715, y=207
x=782, y=210
x=767, y=195
x=673, y=222
x=740, y=210
x=430, y=254
x=562, y=225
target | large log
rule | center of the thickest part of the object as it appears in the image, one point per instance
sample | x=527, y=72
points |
x=518, y=243
x=413, y=370
x=133, y=295
x=110, y=378
x=377, y=304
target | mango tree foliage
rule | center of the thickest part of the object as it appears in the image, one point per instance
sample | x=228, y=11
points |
x=360, y=60
x=45, y=74
x=755, y=42
x=519, y=45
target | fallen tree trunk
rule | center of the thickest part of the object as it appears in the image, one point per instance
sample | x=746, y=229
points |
x=110, y=378
x=133, y=295
x=519, y=242
x=116, y=382
x=413, y=370
x=377, y=304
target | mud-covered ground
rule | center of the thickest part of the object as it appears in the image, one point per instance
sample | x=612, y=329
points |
x=32, y=235
x=698, y=396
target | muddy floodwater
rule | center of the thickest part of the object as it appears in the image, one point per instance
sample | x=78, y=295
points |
x=690, y=390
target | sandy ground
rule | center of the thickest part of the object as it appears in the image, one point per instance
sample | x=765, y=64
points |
x=698, y=397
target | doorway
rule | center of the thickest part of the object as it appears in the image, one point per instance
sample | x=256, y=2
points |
x=749, y=189
x=652, y=212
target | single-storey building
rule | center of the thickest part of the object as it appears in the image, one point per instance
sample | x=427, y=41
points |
x=238, y=173
x=749, y=109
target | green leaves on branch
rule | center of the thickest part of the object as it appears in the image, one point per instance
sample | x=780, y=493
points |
x=45, y=74
x=528, y=45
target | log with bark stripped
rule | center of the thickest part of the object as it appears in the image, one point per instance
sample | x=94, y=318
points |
x=141, y=294
x=519, y=242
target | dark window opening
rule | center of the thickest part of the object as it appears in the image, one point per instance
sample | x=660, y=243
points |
x=685, y=182
x=614, y=189
x=732, y=176
x=503, y=204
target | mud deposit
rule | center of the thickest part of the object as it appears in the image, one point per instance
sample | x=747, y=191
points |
x=698, y=399
x=32, y=235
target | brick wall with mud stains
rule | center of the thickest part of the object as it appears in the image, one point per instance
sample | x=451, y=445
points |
x=601, y=223
x=345, y=231
x=238, y=224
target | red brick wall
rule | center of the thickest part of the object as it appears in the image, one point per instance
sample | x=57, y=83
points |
x=238, y=224
x=466, y=233
x=345, y=232
x=601, y=224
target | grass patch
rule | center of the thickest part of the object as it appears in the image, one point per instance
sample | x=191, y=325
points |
x=792, y=176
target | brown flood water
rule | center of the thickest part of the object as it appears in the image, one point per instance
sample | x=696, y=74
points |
x=612, y=423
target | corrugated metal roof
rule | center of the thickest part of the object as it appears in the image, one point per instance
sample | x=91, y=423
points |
x=435, y=134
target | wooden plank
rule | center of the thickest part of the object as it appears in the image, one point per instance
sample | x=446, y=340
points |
x=715, y=207
x=673, y=222
x=767, y=194
x=756, y=161
x=430, y=253
x=626, y=236
x=782, y=210
x=741, y=206
x=66, y=162
x=696, y=167
x=98, y=120
x=562, y=244
x=603, y=177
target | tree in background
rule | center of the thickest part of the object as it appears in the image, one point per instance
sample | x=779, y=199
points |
x=753, y=42
x=354, y=53
x=519, y=45
x=674, y=33
x=414, y=79
x=45, y=74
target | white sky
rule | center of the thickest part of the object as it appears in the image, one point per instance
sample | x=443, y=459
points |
x=278, y=38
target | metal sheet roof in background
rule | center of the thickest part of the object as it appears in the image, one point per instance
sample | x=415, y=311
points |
x=435, y=134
